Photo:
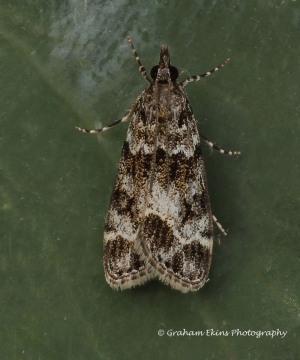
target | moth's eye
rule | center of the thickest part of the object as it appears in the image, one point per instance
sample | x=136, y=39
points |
x=154, y=71
x=173, y=72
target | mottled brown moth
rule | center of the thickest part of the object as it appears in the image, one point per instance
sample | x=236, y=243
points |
x=159, y=222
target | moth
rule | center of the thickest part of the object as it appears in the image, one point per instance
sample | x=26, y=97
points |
x=159, y=223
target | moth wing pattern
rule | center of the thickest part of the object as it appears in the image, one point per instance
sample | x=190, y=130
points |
x=123, y=266
x=177, y=231
x=159, y=222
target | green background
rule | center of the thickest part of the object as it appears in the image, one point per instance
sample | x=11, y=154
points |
x=67, y=63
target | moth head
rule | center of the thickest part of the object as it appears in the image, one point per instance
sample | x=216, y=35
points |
x=164, y=71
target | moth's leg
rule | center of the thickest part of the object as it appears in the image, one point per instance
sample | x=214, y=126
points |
x=221, y=151
x=198, y=77
x=105, y=128
x=141, y=67
x=219, y=226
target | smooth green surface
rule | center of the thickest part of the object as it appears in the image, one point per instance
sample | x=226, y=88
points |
x=67, y=63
